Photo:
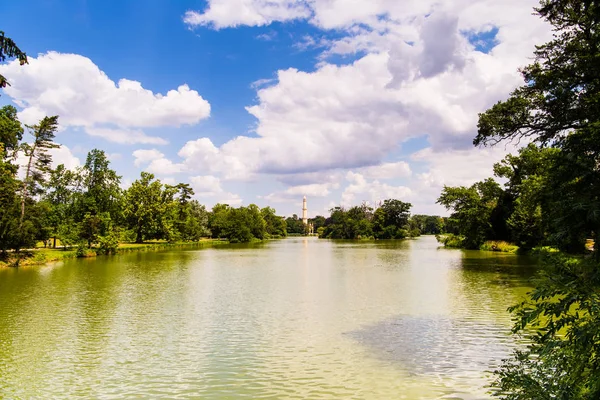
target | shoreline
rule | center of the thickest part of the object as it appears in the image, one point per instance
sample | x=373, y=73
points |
x=42, y=256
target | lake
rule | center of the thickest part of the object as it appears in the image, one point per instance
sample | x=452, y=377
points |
x=294, y=318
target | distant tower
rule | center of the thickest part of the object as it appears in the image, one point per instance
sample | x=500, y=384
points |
x=309, y=229
x=304, y=212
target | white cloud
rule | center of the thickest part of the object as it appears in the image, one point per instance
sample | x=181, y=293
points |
x=63, y=155
x=208, y=186
x=228, y=13
x=125, y=136
x=294, y=192
x=156, y=162
x=395, y=170
x=360, y=190
x=73, y=87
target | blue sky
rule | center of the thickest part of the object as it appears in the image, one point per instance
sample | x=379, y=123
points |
x=343, y=101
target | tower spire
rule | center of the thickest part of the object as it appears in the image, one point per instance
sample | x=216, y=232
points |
x=304, y=212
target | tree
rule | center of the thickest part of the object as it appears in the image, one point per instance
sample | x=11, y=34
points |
x=294, y=225
x=196, y=222
x=559, y=106
x=101, y=185
x=38, y=159
x=11, y=131
x=275, y=226
x=9, y=49
x=472, y=210
x=143, y=205
x=60, y=195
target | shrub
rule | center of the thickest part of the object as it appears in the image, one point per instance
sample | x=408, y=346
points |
x=500, y=246
x=451, y=241
x=107, y=244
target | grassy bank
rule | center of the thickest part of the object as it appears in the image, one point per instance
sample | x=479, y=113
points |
x=40, y=256
x=458, y=242
x=499, y=246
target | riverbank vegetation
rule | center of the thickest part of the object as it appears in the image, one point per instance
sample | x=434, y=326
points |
x=551, y=197
x=390, y=220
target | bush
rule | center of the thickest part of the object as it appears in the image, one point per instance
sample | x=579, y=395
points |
x=500, y=246
x=107, y=244
x=83, y=251
x=451, y=241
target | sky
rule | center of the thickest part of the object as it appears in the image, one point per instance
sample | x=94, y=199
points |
x=267, y=101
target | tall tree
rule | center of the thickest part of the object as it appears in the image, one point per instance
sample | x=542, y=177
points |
x=101, y=185
x=143, y=201
x=38, y=159
x=473, y=208
x=559, y=106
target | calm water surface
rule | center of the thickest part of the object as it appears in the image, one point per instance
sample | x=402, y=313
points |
x=296, y=318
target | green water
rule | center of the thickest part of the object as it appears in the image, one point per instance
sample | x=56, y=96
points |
x=296, y=318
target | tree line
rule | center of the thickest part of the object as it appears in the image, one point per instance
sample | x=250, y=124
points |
x=551, y=196
x=87, y=206
x=390, y=220
x=528, y=210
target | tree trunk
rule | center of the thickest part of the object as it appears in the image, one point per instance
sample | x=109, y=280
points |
x=25, y=182
x=54, y=243
x=139, y=237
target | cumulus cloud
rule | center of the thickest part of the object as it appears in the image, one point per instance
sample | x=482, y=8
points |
x=73, y=87
x=125, y=136
x=156, y=162
x=208, y=186
x=294, y=192
x=230, y=13
x=63, y=155
x=361, y=190
x=420, y=76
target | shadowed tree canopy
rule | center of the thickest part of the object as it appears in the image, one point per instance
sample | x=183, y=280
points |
x=9, y=49
x=559, y=106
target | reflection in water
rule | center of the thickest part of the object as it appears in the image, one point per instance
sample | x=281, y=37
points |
x=300, y=317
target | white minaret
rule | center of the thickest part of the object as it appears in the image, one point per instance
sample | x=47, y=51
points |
x=304, y=212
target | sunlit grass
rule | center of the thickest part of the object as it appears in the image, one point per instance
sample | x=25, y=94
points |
x=500, y=246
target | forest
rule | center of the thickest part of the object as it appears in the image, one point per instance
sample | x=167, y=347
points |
x=88, y=208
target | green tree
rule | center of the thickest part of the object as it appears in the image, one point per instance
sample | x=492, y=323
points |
x=101, y=185
x=217, y=220
x=60, y=196
x=9, y=49
x=11, y=131
x=143, y=205
x=275, y=226
x=196, y=222
x=473, y=208
x=559, y=105
x=38, y=159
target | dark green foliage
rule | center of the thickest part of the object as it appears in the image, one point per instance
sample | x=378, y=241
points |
x=38, y=159
x=245, y=224
x=9, y=49
x=295, y=226
x=427, y=224
x=561, y=319
x=472, y=210
x=389, y=221
x=108, y=244
x=275, y=226
x=11, y=131
x=558, y=106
